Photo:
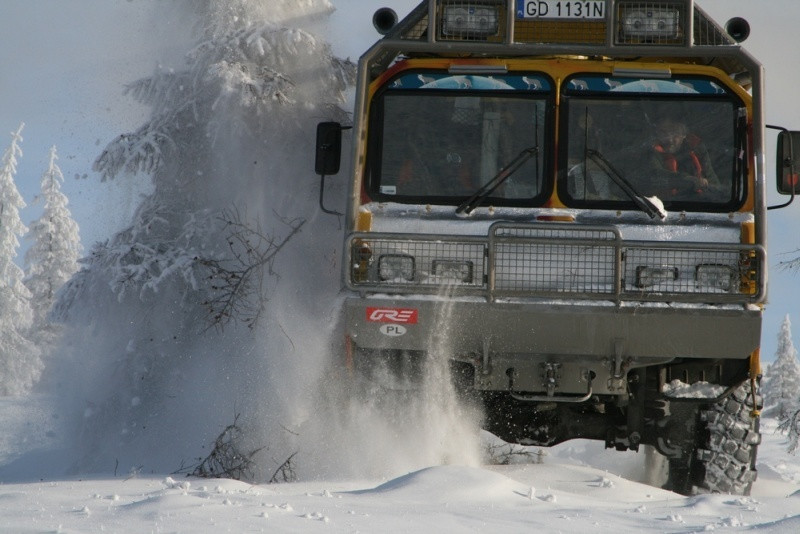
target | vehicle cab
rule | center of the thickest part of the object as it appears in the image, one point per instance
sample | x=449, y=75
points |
x=575, y=192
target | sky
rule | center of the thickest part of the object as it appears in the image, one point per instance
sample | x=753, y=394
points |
x=49, y=80
x=64, y=65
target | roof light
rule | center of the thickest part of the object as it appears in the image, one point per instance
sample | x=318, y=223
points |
x=640, y=21
x=469, y=21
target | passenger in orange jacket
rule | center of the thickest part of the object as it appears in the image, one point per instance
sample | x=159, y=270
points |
x=680, y=162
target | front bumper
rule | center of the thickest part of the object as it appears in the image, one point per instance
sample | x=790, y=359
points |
x=552, y=346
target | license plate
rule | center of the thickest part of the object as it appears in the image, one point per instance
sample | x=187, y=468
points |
x=561, y=9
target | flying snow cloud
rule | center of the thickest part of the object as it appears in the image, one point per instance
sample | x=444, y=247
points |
x=218, y=303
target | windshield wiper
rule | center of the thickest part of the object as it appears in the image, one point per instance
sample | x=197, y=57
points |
x=489, y=187
x=641, y=201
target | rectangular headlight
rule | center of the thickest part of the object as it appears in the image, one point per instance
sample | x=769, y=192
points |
x=470, y=21
x=651, y=276
x=641, y=21
x=452, y=270
x=712, y=276
x=396, y=268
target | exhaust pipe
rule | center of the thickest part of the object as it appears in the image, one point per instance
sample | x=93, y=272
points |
x=384, y=20
x=738, y=29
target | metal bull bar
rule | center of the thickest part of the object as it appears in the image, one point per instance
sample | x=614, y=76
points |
x=556, y=261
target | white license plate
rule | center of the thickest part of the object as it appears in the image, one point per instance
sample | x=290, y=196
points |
x=563, y=9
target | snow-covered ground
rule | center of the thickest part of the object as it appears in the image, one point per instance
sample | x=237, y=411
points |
x=577, y=487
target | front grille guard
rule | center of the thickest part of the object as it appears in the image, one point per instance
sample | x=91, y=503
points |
x=555, y=262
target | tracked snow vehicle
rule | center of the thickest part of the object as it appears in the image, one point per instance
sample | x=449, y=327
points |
x=515, y=209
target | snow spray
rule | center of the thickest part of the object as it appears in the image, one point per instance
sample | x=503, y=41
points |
x=150, y=383
x=395, y=425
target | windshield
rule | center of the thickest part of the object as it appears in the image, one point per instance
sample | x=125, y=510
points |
x=678, y=140
x=442, y=137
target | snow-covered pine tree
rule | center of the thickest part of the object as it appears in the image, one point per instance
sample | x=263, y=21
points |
x=20, y=361
x=52, y=259
x=781, y=381
x=791, y=426
x=229, y=147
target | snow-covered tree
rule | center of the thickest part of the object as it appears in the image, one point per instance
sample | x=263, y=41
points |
x=229, y=147
x=20, y=362
x=53, y=257
x=781, y=381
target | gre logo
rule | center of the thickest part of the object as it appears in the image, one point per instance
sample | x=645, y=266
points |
x=392, y=315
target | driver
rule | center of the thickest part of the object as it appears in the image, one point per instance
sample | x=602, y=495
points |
x=441, y=151
x=679, y=161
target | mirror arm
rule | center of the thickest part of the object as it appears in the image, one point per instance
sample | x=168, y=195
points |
x=779, y=206
x=322, y=196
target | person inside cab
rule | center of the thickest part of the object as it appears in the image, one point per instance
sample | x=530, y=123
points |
x=441, y=151
x=679, y=161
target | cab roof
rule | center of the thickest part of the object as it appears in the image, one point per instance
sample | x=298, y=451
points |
x=676, y=31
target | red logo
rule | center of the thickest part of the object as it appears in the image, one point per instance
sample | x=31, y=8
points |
x=392, y=315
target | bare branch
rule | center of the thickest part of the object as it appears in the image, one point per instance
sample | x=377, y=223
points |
x=227, y=460
x=285, y=471
x=237, y=282
x=791, y=425
x=792, y=264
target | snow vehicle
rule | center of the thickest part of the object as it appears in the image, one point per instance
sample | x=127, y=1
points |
x=512, y=210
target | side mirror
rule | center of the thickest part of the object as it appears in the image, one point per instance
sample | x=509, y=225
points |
x=788, y=163
x=329, y=148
